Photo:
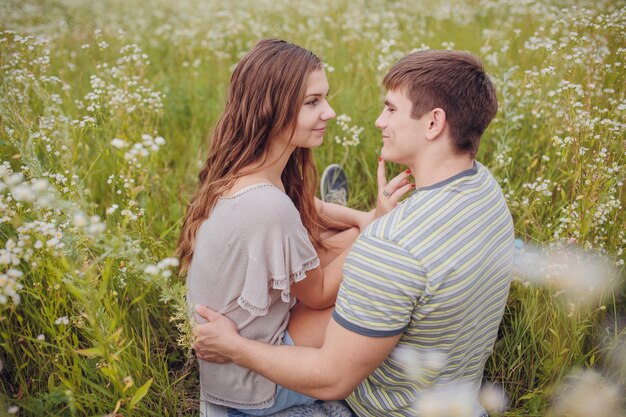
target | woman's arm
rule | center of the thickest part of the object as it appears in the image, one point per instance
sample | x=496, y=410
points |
x=389, y=194
x=343, y=216
x=319, y=289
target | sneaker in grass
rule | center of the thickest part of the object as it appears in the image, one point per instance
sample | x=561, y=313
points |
x=334, y=185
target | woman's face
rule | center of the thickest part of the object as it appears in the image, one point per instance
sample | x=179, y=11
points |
x=314, y=113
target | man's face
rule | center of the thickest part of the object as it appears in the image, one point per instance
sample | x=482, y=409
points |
x=402, y=134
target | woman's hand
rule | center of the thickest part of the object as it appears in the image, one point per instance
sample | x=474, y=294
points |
x=390, y=193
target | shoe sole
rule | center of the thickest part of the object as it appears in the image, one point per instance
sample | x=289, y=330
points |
x=324, y=175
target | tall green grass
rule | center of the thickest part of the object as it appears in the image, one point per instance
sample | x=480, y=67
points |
x=97, y=324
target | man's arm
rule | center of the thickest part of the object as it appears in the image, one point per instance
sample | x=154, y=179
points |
x=330, y=372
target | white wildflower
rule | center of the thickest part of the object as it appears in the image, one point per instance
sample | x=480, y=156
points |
x=119, y=143
x=80, y=220
x=170, y=262
x=96, y=228
x=52, y=242
x=15, y=179
x=14, y=273
x=151, y=270
x=40, y=185
x=23, y=192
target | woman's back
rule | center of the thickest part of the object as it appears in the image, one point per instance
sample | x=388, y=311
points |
x=246, y=254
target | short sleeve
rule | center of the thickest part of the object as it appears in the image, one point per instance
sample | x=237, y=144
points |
x=381, y=287
x=279, y=253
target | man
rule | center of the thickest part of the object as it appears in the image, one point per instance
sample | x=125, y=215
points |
x=432, y=275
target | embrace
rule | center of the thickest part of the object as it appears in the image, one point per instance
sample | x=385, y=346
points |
x=298, y=299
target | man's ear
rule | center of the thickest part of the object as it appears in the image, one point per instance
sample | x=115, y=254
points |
x=436, y=123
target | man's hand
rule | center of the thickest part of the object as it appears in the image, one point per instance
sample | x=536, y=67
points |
x=215, y=338
x=390, y=193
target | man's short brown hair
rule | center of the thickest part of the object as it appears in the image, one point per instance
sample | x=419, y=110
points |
x=454, y=81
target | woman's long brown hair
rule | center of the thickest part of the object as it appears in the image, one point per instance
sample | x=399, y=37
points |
x=265, y=95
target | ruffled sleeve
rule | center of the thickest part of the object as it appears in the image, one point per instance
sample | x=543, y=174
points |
x=278, y=248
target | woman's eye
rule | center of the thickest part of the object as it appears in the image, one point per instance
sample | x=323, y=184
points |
x=312, y=102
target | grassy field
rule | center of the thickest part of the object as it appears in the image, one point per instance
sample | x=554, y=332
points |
x=105, y=111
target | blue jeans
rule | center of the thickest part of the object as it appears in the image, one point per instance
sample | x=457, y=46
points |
x=283, y=399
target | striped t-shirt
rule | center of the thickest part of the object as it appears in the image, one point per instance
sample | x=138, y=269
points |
x=436, y=269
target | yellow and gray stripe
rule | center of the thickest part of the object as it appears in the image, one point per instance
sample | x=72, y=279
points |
x=437, y=270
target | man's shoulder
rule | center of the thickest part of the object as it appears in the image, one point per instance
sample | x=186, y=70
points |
x=432, y=214
x=386, y=233
x=477, y=183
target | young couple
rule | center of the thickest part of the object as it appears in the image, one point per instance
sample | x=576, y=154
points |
x=299, y=299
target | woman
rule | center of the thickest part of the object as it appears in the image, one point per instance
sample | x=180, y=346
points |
x=253, y=239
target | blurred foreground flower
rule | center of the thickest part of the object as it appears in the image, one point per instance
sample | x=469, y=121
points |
x=616, y=360
x=493, y=398
x=449, y=402
x=587, y=394
x=456, y=401
x=418, y=362
x=584, y=277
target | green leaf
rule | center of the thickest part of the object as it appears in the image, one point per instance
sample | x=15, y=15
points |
x=109, y=373
x=91, y=352
x=75, y=291
x=141, y=392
